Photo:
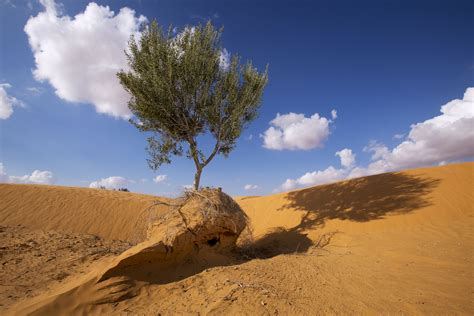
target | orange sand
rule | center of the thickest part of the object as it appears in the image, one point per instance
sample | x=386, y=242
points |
x=108, y=214
x=398, y=243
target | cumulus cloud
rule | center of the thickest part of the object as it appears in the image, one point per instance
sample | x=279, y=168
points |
x=249, y=187
x=296, y=132
x=436, y=141
x=334, y=114
x=159, y=178
x=81, y=55
x=378, y=150
x=328, y=175
x=36, y=177
x=7, y=102
x=347, y=157
x=446, y=137
x=114, y=182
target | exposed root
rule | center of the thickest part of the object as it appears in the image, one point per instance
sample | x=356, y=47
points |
x=241, y=285
x=324, y=240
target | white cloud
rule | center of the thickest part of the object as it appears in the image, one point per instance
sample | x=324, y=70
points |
x=8, y=3
x=250, y=187
x=81, y=55
x=159, y=178
x=347, y=157
x=378, y=150
x=178, y=41
x=436, y=141
x=328, y=175
x=50, y=6
x=446, y=137
x=3, y=174
x=110, y=183
x=334, y=114
x=177, y=44
x=36, y=177
x=7, y=102
x=398, y=136
x=224, y=59
x=35, y=90
x=295, y=131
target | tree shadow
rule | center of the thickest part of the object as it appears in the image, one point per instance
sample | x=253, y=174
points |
x=278, y=241
x=360, y=200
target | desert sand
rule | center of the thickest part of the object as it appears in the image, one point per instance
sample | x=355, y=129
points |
x=398, y=243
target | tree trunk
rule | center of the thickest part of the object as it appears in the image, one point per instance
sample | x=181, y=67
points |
x=197, y=178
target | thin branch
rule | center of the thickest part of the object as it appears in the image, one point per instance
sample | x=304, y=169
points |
x=217, y=146
x=214, y=152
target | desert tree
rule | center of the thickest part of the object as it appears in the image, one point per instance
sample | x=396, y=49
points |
x=183, y=86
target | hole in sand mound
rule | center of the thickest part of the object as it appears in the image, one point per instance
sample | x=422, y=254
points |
x=212, y=242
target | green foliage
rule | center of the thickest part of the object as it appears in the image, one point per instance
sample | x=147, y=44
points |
x=180, y=90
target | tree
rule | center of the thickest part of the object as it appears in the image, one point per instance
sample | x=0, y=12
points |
x=183, y=86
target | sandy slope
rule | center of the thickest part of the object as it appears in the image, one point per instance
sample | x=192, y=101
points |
x=108, y=214
x=391, y=243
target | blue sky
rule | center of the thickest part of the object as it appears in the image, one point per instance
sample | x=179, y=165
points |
x=382, y=65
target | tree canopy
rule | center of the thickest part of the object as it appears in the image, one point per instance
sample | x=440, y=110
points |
x=183, y=86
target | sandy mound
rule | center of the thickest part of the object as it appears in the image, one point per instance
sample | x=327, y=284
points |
x=104, y=213
x=200, y=229
x=395, y=243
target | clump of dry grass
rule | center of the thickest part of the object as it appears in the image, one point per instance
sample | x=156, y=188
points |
x=262, y=289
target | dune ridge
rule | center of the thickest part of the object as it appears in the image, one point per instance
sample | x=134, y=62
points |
x=107, y=214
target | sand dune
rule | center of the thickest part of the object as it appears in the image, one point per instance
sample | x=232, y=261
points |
x=393, y=243
x=105, y=213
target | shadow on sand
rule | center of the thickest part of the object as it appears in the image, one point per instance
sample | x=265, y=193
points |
x=359, y=200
